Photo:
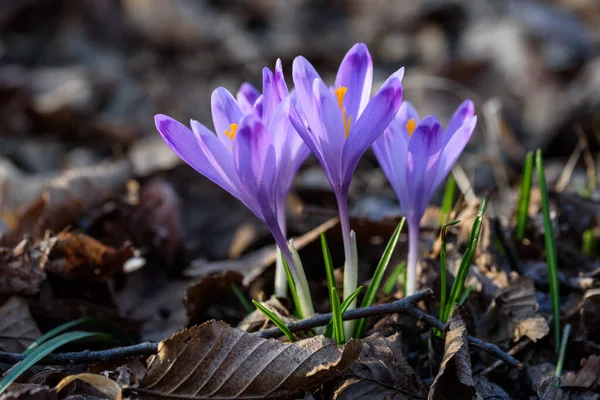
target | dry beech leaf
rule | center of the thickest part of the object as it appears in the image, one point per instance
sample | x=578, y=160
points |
x=79, y=255
x=22, y=268
x=551, y=387
x=588, y=377
x=30, y=392
x=381, y=372
x=454, y=379
x=200, y=295
x=513, y=314
x=17, y=328
x=214, y=360
x=110, y=388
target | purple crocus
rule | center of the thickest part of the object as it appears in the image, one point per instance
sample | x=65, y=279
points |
x=254, y=155
x=340, y=123
x=416, y=156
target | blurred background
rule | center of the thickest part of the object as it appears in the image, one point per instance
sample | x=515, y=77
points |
x=80, y=82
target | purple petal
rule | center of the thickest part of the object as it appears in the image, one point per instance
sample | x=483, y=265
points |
x=185, y=144
x=356, y=74
x=424, y=151
x=254, y=157
x=391, y=151
x=270, y=97
x=330, y=116
x=279, y=80
x=246, y=97
x=278, y=127
x=377, y=116
x=304, y=75
x=463, y=113
x=454, y=148
x=225, y=111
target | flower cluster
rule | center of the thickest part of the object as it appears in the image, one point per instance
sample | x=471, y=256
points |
x=262, y=139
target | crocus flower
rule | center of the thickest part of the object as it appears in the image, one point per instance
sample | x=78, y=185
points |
x=416, y=156
x=254, y=155
x=339, y=124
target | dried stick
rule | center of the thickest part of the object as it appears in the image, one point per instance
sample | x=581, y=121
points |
x=488, y=347
x=514, y=350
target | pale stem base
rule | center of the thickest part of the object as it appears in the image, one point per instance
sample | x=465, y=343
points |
x=281, y=284
x=413, y=258
x=350, y=267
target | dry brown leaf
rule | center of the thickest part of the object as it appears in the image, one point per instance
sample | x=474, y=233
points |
x=587, y=377
x=257, y=320
x=214, y=360
x=199, y=296
x=513, y=314
x=108, y=387
x=454, y=379
x=381, y=372
x=550, y=388
x=17, y=329
x=59, y=201
x=79, y=255
x=30, y=392
x=22, y=268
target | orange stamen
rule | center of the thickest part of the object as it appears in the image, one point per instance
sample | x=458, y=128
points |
x=410, y=126
x=340, y=93
x=230, y=133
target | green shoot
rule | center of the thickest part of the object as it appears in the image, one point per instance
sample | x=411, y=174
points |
x=328, y=266
x=523, y=205
x=336, y=312
x=447, y=199
x=465, y=264
x=292, y=284
x=241, y=297
x=588, y=242
x=378, y=276
x=40, y=352
x=404, y=281
x=275, y=320
x=55, y=332
x=563, y=349
x=465, y=294
x=392, y=280
x=344, y=307
x=443, y=270
x=551, y=257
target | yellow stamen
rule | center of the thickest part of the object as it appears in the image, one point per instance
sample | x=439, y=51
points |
x=230, y=133
x=340, y=93
x=410, y=126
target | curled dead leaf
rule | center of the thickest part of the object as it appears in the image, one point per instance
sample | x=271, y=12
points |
x=381, y=372
x=513, y=314
x=214, y=360
x=22, y=268
x=79, y=255
x=454, y=379
x=17, y=328
x=110, y=388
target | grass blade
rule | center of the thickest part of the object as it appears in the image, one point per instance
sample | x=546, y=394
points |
x=447, y=199
x=344, y=307
x=336, y=311
x=378, y=276
x=551, y=257
x=392, y=281
x=55, y=332
x=588, y=242
x=241, y=297
x=275, y=320
x=292, y=285
x=443, y=270
x=465, y=294
x=525, y=192
x=563, y=349
x=465, y=264
x=40, y=352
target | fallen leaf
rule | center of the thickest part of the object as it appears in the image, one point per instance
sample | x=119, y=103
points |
x=257, y=320
x=22, y=268
x=587, y=377
x=76, y=255
x=454, y=379
x=208, y=291
x=489, y=390
x=550, y=388
x=214, y=360
x=513, y=314
x=57, y=202
x=30, y=392
x=381, y=372
x=107, y=386
x=17, y=328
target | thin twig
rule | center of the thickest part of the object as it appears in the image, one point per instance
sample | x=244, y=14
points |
x=86, y=356
x=488, y=347
x=514, y=350
x=397, y=306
